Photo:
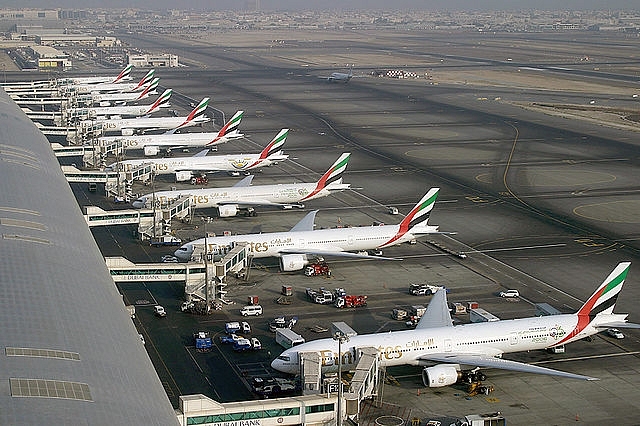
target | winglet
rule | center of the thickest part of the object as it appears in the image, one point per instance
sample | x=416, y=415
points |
x=437, y=313
x=307, y=223
x=332, y=175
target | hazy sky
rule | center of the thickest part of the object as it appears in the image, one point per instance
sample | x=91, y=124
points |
x=329, y=4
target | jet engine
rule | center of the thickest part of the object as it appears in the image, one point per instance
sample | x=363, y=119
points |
x=293, y=262
x=151, y=150
x=227, y=210
x=440, y=375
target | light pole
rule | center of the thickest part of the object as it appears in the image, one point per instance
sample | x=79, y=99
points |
x=341, y=338
x=206, y=220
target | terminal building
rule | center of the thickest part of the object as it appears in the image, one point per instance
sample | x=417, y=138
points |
x=154, y=61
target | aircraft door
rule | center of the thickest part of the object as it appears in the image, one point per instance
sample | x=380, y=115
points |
x=513, y=339
x=447, y=345
x=301, y=243
x=350, y=240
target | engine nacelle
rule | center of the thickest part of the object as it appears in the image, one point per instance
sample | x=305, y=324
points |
x=293, y=262
x=151, y=150
x=227, y=211
x=440, y=375
x=127, y=132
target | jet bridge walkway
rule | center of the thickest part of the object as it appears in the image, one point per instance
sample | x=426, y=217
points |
x=193, y=274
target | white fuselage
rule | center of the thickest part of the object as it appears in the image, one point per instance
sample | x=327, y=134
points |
x=120, y=97
x=166, y=140
x=123, y=111
x=99, y=87
x=272, y=244
x=166, y=123
x=221, y=163
x=283, y=194
x=410, y=346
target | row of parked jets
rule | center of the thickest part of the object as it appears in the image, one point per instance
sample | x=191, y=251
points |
x=446, y=352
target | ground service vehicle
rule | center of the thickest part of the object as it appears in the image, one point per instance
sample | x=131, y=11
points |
x=255, y=344
x=492, y=419
x=242, y=344
x=321, y=296
x=288, y=338
x=351, y=301
x=232, y=327
x=251, y=310
x=424, y=289
x=509, y=293
x=480, y=315
x=317, y=268
x=203, y=341
x=165, y=240
x=458, y=308
x=159, y=311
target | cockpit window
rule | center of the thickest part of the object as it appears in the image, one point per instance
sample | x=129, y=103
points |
x=284, y=358
x=182, y=249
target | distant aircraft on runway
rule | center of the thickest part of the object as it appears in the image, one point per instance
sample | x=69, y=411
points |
x=294, y=247
x=339, y=77
x=450, y=354
x=242, y=197
x=184, y=167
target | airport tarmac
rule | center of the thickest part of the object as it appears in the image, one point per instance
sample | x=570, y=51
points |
x=540, y=203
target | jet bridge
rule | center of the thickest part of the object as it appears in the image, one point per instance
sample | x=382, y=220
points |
x=72, y=150
x=366, y=382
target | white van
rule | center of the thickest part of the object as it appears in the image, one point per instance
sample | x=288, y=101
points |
x=251, y=310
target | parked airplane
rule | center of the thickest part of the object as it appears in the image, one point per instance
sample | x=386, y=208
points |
x=229, y=201
x=124, y=75
x=450, y=353
x=183, y=167
x=108, y=87
x=295, y=246
x=128, y=126
x=120, y=110
x=107, y=99
x=151, y=144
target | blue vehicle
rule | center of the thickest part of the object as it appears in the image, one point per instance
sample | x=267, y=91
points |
x=229, y=338
x=242, y=344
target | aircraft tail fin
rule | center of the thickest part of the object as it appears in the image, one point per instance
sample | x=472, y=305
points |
x=275, y=144
x=150, y=88
x=603, y=300
x=123, y=74
x=145, y=80
x=231, y=125
x=419, y=215
x=161, y=101
x=198, y=110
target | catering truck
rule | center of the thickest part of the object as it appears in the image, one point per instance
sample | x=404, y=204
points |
x=288, y=338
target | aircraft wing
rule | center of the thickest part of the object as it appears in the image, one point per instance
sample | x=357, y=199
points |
x=255, y=202
x=336, y=252
x=481, y=360
x=205, y=168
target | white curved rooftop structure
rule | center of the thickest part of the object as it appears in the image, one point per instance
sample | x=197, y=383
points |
x=70, y=353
